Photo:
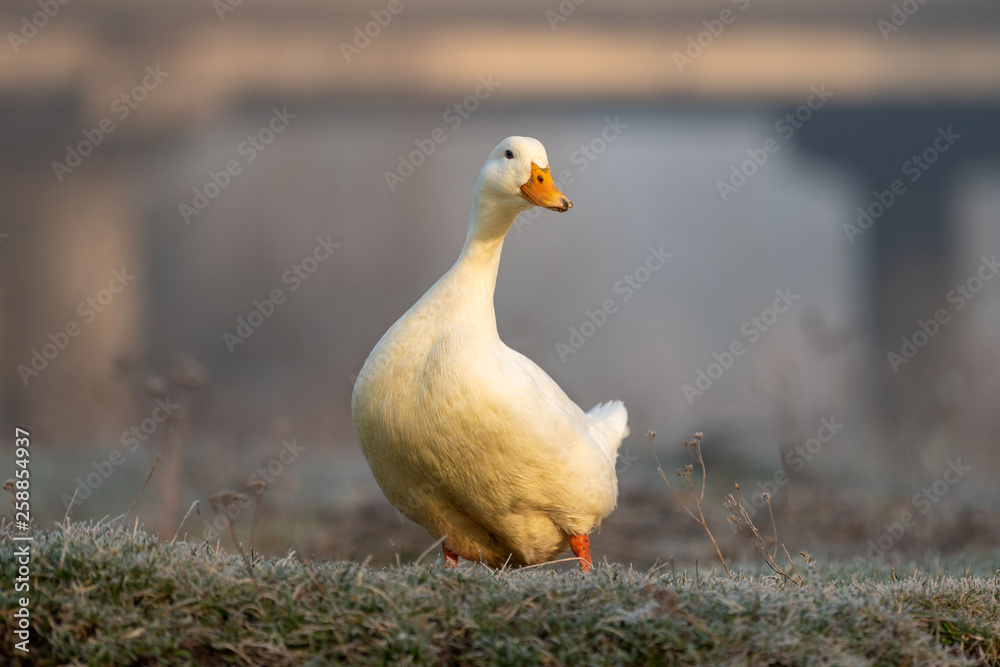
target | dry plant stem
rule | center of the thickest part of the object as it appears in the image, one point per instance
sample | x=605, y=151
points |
x=223, y=503
x=259, y=493
x=194, y=506
x=70, y=506
x=427, y=550
x=246, y=559
x=797, y=580
x=695, y=451
x=744, y=523
x=574, y=559
x=797, y=574
x=364, y=564
x=139, y=495
x=170, y=482
x=312, y=577
x=774, y=526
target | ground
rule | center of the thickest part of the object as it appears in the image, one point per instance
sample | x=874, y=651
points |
x=109, y=594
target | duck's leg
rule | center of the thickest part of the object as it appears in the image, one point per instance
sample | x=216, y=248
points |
x=580, y=544
x=450, y=558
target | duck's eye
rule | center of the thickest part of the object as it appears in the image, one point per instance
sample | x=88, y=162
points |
x=509, y=155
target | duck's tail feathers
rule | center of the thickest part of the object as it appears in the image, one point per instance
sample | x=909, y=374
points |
x=609, y=421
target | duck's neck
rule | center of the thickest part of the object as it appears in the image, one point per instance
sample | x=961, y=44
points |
x=480, y=258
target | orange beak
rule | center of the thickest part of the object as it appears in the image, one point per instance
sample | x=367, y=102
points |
x=541, y=191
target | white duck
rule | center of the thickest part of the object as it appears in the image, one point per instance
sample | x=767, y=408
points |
x=469, y=438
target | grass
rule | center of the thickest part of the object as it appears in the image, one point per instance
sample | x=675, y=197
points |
x=104, y=595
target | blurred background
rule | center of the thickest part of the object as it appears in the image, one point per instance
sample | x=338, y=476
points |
x=213, y=210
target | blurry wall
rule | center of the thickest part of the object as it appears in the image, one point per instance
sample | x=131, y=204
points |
x=355, y=114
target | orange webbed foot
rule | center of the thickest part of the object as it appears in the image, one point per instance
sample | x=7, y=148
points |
x=450, y=558
x=580, y=544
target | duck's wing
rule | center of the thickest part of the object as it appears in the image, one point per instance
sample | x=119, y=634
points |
x=604, y=427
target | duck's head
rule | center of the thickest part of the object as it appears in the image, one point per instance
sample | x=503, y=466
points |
x=517, y=175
